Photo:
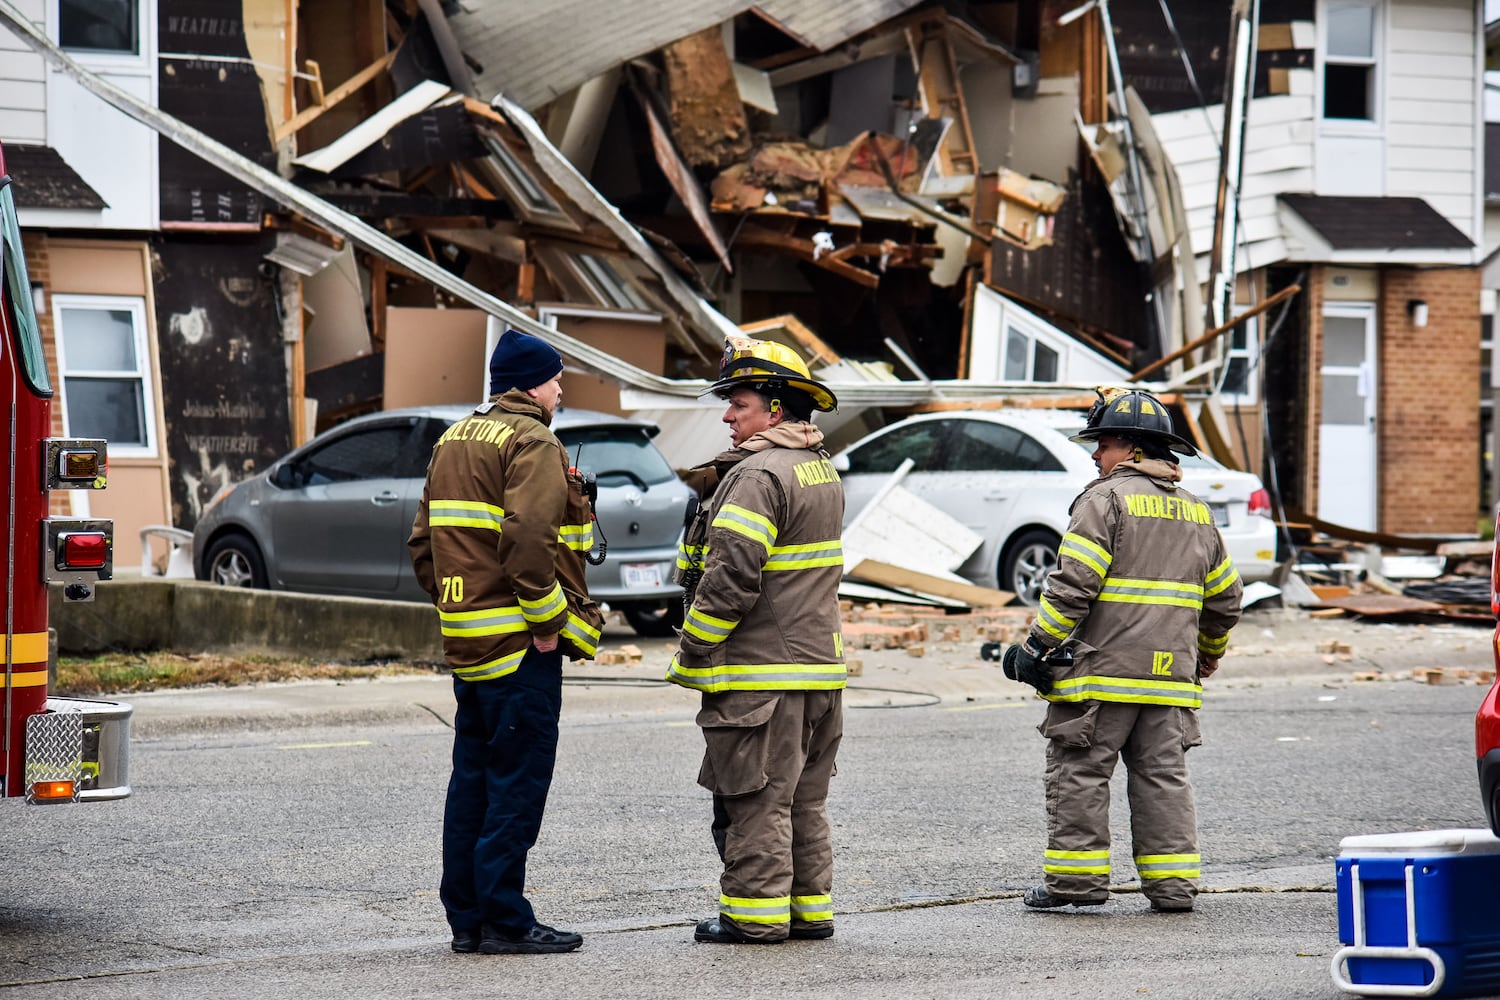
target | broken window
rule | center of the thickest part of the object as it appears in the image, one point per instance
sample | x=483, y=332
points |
x=106, y=371
x=1239, y=384
x=921, y=442
x=1349, y=61
x=1027, y=359
x=99, y=25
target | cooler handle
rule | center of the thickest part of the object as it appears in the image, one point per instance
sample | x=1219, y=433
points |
x=1361, y=950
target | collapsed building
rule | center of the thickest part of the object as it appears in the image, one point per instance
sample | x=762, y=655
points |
x=982, y=203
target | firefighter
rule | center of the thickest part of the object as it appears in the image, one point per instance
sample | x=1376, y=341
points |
x=1136, y=614
x=498, y=543
x=761, y=638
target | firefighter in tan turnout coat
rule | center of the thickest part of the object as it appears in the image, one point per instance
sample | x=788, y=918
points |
x=1137, y=613
x=498, y=542
x=761, y=562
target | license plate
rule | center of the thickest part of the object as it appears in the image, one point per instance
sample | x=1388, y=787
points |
x=1221, y=514
x=640, y=576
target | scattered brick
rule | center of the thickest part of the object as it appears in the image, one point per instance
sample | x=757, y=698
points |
x=855, y=667
x=916, y=650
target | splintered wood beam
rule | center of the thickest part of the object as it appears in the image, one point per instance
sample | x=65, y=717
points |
x=335, y=96
x=1217, y=332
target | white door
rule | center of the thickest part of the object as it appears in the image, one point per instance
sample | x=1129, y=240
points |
x=1346, y=431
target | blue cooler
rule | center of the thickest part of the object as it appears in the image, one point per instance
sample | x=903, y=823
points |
x=1419, y=914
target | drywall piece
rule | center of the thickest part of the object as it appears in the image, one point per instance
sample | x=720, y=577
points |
x=416, y=100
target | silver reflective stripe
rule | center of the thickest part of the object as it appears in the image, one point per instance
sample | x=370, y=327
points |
x=490, y=621
x=1120, y=689
x=759, y=676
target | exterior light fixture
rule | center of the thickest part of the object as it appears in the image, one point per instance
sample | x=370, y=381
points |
x=1417, y=310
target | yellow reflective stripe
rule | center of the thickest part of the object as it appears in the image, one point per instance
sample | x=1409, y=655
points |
x=464, y=514
x=547, y=607
x=758, y=676
x=486, y=621
x=812, y=908
x=1059, y=626
x=1221, y=578
x=25, y=678
x=498, y=667
x=691, y=556
x=1213, y=646
x=583, y=635
x=743, y=521
x=579, y=537
x=27, y=647
x=1076, y=862
x=1122, y=590
x=1182, y=694
x=1168, y=865
x=774, y=910
x=706, y=627
x=807, y=555
x=1091, y=554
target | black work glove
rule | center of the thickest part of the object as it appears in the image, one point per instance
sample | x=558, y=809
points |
x=1024, y=662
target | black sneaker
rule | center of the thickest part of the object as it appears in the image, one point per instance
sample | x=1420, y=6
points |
x=1038, y=897
x=715, y=931
x=539, y=940
x=465, y=942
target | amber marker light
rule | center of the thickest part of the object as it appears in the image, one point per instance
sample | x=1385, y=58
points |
x=52, y=791
x=80, y=464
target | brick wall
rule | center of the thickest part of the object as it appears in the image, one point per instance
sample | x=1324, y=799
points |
x=38, y=266
x=1428, y=406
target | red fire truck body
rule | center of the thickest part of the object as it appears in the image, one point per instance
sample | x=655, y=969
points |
x=51, y=749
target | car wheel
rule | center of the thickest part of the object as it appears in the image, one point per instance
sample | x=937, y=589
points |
x=1494, y=816
x=654, y=620
x=235, y=561
x=1028, y=560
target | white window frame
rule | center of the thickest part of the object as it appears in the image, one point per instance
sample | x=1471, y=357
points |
x=136, y=306
x=1376, y=62
x=1034, y=333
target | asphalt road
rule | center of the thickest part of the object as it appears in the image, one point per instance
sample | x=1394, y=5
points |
x=284, y=842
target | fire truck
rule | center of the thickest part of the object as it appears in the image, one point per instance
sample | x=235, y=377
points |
x=52, y=750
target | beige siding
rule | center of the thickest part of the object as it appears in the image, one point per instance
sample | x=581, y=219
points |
x=1431, y=108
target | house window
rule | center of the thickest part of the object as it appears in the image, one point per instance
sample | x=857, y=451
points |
x=100, y=25
x=1027, y=359
x=1241, y=378
x=106, y=372
x=1349, y=61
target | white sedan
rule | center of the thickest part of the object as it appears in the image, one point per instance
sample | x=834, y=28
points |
x=1010, y=476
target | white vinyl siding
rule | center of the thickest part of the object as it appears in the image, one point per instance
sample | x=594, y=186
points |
x=23, y=83
x=1432, y=108
x=1278, y=160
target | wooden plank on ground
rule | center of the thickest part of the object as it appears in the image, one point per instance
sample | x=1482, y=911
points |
x=874, y=571
x=1382, y=605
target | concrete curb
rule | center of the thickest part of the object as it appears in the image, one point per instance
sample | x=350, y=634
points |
x=188, y=616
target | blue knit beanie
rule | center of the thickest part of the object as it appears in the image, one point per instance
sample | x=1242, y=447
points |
x=522, y=361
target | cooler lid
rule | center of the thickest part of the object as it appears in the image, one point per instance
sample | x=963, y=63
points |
x=1421, y=843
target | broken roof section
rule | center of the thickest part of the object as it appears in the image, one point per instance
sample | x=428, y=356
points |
x=515, y=42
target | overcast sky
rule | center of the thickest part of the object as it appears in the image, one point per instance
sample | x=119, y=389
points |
x=1491, y=10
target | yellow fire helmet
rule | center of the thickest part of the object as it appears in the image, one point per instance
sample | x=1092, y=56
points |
x=765, y=365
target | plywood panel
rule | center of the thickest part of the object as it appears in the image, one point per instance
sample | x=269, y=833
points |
x=434, y=356
x=641, y=344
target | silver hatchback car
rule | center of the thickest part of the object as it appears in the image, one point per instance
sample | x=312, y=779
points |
x=332, y=517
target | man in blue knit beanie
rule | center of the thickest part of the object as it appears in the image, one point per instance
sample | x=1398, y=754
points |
x=521, y=361
x=513, y=602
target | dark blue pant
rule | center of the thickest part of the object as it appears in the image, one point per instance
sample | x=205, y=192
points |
x=504, y=748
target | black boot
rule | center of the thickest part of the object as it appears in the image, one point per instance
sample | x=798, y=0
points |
x=1038, y=896
x=539, y=939
x=716, y=931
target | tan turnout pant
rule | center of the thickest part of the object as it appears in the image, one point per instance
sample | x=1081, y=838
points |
x=1084, y=741
x=769, y=758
